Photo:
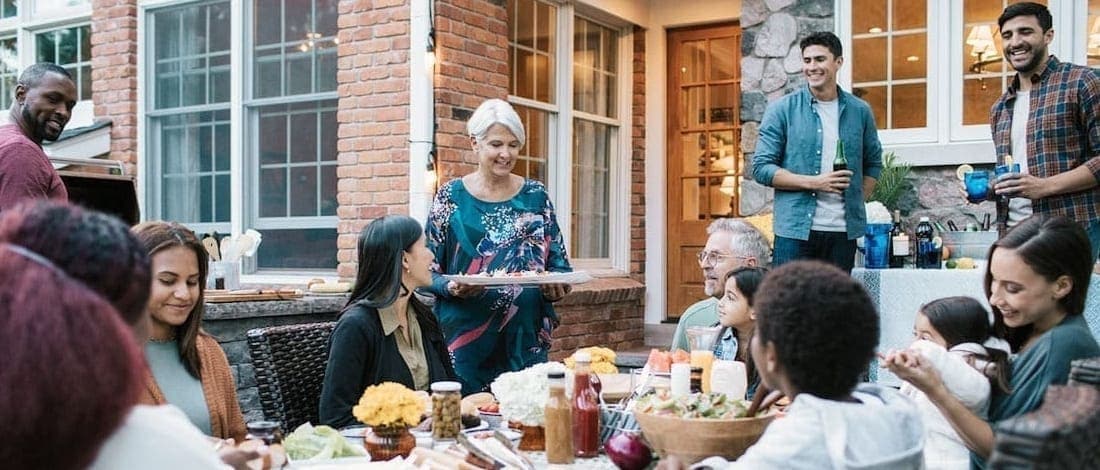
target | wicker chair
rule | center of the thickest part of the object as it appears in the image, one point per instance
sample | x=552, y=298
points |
x=1064, y=433
x=290, y=367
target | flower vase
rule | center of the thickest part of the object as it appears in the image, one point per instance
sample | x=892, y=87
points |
x=534, y=438
x=385, y=443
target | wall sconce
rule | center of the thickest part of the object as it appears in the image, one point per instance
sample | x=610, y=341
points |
x=982, y=48
x=429, y=56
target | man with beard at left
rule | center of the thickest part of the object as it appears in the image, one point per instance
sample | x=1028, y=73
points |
x=44, y=98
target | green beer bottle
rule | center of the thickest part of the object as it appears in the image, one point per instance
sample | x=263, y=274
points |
x=840, y=162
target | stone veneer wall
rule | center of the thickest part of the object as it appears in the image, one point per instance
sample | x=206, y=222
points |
x=230, y=322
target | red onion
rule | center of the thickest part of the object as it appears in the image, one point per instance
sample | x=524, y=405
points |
x=627, y=450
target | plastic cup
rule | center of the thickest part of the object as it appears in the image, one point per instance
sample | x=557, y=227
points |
x=977, y=186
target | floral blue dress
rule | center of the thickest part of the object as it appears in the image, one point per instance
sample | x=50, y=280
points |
x=503, y=329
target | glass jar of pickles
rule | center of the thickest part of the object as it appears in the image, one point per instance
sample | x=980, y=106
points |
x=446, y=410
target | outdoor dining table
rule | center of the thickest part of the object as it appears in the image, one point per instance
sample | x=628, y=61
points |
x=899, y=293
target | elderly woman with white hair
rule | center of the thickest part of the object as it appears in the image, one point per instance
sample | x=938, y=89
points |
x=486, y=221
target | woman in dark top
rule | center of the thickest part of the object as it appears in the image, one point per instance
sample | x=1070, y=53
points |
x=385, y=334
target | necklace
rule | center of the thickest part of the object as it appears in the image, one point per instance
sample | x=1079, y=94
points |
x=166, y=340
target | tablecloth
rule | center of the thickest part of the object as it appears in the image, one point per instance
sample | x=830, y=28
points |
x=899, y=293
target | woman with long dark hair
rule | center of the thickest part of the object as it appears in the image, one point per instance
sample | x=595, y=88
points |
x=1037, y=280
x=385, y=334
x=187, y=366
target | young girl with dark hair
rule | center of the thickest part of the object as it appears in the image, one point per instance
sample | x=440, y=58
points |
x=954, y=336
x=187, y=366
x=737, y=320
x=385, y=334
x=1037, y=280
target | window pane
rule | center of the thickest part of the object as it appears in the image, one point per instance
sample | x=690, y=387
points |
x=70, y=48
x=594, y=89
x=1093, y=40
x=50, y=7
x=295, y=47
x=8, y=8
x=591, y=156
x=531, y=49
x=291, y=162
x=985, y=73
x=534, y=155
x=298, y=249
x=890, y=60
x=194, y=188
x=9, y=68
x=191, y=54
x=908, y=101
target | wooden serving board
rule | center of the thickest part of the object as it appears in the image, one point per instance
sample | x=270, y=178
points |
x=222, y=296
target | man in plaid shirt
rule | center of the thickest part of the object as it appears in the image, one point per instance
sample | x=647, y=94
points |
x=1057, y=139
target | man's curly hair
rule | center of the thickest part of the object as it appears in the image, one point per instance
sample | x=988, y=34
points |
x=823, y=325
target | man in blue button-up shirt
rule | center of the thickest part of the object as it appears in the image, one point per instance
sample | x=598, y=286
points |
x=819, y=213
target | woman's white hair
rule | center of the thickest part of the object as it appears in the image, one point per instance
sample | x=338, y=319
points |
x=495, y=111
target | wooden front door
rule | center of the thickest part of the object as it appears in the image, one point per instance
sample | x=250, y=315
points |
x=704, y=162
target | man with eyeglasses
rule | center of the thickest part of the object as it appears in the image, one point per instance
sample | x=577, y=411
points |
x=731, y=244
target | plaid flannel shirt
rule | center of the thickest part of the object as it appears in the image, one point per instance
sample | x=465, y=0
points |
x=1063, y=130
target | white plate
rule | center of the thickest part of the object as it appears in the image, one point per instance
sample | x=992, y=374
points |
x=575, y=277
x=485, y=433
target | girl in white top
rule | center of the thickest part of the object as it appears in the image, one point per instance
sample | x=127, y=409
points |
x=953, y=334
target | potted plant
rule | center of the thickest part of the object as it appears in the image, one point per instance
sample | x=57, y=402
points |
x=893, y=182
x=390, y=409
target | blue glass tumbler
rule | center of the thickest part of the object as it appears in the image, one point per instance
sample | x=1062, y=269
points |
x=977, y=186
x=876, y=244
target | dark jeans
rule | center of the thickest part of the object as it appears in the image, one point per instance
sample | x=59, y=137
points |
x=830, y=247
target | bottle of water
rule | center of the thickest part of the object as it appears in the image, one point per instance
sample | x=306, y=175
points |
x=926, y=249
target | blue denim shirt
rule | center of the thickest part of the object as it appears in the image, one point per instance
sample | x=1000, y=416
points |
x=790, y=138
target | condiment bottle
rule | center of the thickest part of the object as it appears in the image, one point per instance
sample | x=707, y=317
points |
x=586, y=408
x=680, y=380
x=559, y=422
x=446, y=410
x=729, y=378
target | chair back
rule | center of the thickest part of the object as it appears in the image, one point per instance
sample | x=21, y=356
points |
x=290, y=365
x=1063, y=433
x=1085, y=372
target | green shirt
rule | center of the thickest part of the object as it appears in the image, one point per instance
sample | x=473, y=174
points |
x=1045, y=362
x=701, y=313
x=179, y=387
x=411, y=349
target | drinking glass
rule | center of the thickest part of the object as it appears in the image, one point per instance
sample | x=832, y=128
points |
x=977, y=186
x=876, y=244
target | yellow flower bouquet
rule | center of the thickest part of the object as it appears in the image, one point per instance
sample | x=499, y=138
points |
x=389, y=405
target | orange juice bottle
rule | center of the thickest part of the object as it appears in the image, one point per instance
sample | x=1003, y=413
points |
x=704, y=359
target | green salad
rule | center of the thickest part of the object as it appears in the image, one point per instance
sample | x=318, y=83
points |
x=310, y=442
x=696, y=405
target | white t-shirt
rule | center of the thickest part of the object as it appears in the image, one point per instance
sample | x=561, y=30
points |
x=157, y=437
x=829, y=214
x=1019, y=208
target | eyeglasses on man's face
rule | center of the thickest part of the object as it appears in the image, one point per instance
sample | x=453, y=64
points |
x=709, y=258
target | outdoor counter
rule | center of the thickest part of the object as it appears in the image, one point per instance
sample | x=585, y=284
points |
x=899, y=293
x=229, y=322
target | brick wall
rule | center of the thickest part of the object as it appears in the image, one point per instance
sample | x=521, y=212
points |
x=114, y=74
x=637, y=161
x=605, y=312
x=373, y=84
x=471, y=39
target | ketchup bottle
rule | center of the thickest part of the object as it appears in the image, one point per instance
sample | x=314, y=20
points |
x=586, y=408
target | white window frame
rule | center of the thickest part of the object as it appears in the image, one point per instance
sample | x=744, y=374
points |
x=948, y=142
x=560, y=126
x=25, y=26
x=244, y=166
